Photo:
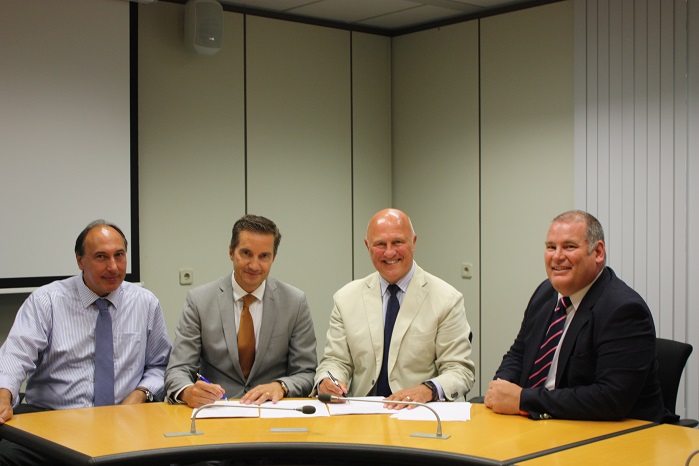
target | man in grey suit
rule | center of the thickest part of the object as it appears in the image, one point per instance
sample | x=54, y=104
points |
x=425, y=357
x=279, y=359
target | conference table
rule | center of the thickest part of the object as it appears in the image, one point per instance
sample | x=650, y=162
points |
x=660, y=445
x=136, y=434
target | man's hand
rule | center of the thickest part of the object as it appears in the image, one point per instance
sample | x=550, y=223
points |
x=503, y=397
x=264, y=392
x=201, y=393
x=134, y=398
x=5, y=405
x=419, y=393
x=327, y=386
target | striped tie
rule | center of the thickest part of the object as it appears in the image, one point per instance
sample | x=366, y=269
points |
x=544, y=357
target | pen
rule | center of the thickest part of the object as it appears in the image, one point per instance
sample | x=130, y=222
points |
x=337, y=384
x=203, y=379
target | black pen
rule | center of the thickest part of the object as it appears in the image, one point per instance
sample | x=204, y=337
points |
x=337, y=384
x=203, y=379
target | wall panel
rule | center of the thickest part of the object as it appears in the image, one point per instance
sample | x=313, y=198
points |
x=526, y=160
x=299, y=159
x=435, y=154
x=191, y=153
x=371, y=138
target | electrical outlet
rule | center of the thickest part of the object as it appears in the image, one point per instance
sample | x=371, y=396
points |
x=186, y=276
x=466, y=270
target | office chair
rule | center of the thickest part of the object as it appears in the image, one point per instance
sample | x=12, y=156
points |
x=672, y=357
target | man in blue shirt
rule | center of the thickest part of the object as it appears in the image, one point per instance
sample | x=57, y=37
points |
x=53, y=338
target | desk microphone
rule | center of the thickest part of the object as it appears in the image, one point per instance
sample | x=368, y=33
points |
x=307, y=409
x=328, y=398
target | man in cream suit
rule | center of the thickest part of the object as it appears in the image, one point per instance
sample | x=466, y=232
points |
x=429, y=350
x=216, y=316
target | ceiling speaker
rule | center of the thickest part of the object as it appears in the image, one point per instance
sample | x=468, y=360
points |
x=203, y=26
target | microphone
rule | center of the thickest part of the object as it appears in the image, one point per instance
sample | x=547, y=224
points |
x=327, y=398
x=307, y=409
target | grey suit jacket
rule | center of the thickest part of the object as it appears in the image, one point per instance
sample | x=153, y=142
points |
x=429, y=340
x=206, y=341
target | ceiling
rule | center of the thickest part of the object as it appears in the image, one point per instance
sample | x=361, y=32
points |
x=390, y=17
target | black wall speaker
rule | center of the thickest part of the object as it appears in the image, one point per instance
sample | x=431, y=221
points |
x=203, y=26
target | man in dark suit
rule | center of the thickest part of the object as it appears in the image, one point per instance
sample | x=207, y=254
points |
x=601, y=362
x=279, y=357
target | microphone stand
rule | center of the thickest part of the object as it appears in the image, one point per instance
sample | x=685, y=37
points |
x=327, y=398
x=193, y=428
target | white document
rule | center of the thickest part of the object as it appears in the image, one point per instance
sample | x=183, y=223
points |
x=226, y=408
x=283, y=409
x=447, y=411
x=359, y=406
x=275, y=412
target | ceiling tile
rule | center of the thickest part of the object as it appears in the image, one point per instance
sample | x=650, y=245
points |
x=411, y=17
x=356, y=10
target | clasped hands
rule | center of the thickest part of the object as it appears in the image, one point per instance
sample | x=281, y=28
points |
x=419, y=394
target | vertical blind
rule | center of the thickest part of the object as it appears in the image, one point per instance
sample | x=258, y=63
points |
x=637, y=108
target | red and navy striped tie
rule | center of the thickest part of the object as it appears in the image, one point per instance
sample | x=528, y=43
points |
x=544, y=357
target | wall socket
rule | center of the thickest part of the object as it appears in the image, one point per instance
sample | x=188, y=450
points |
x=186, y=276
x=466, y=270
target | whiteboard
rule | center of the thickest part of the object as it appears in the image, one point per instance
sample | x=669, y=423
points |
x=65, y=132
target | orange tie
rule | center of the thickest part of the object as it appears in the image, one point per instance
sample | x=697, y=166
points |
x=246, y=337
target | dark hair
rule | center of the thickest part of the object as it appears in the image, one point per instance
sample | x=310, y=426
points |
x=593, y=229
x=80, y=242
x=256, y=224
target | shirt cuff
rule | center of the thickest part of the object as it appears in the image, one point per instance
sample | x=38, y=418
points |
x=440, y=390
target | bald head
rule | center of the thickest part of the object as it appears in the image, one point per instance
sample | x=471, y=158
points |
x=390, y=239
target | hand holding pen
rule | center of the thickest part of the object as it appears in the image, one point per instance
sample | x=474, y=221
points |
x=342, y=390
x=203, y=379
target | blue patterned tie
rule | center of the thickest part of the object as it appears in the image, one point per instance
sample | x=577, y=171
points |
x=544, y=357
x=382, y=386
x=104, y=356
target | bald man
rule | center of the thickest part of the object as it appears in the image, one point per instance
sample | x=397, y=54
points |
x=400, y=332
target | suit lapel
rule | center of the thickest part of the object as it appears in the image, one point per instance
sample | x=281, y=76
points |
x=580, y=320
x=269, y=316
x=539, y=326
x=373, y=309
x=227, y=312
x=413, y=300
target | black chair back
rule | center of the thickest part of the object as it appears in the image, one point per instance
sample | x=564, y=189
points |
x=672, y=357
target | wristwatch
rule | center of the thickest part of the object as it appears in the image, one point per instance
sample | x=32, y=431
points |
x=284, y=387
x=433, y=387
x=149, y=394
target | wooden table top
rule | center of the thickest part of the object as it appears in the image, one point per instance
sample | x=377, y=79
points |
x=104, y=433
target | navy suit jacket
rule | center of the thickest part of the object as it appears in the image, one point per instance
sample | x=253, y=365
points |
x=606, y=367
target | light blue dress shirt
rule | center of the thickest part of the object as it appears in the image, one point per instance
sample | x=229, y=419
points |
x=52, y=344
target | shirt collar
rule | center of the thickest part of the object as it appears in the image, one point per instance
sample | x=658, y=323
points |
x=577, y=297
x=239, y=292
x=402, y=283
x=88, y=297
